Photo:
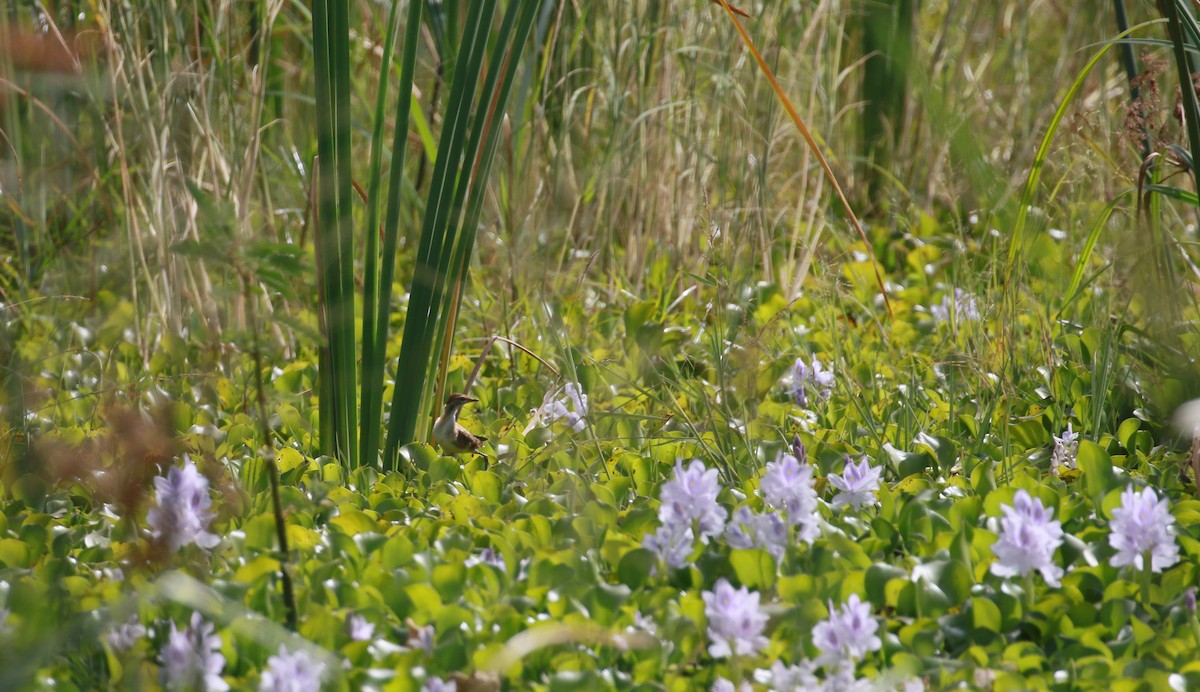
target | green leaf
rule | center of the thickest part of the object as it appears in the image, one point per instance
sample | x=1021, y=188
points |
x=255, y=569
x=636, y=567
x=755, y=568
x=1097, y=470
x=877, y=578
x=353, y=522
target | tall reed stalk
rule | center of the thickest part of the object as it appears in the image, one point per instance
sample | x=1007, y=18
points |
x=466, y=149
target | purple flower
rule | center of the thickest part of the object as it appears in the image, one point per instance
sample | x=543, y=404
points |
x=122, y=637
x=1065, y=449
x=735, y=621
x=813, y=377
x=749, y=530
x=292, y=672
x=359, y=628
x=849, y=633
x=787, y=485
x=487, y=556
x=439, y=685
x=672, y=543
x=1028, y=539
x=192, y=659
x=799, y=450
x=571, y=407
x=1143, y=524
x=723, y=685
x=784, y=678
x=421, y=637
x=181, y=515
x=961, y=307
x=691, y=499
x=857, y=485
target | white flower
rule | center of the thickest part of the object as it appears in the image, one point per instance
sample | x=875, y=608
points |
x=849, y=633
x=555, y=407
x=192, y=659
x=1027, y=541
x=181, y=514
x=1142, y=524
x=292, y=672
x=735, y=621
x=1065, y=449
x=857, y=485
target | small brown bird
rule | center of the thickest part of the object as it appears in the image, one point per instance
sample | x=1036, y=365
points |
x=450, y=435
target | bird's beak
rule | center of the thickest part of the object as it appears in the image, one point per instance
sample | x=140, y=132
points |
x=470, y=400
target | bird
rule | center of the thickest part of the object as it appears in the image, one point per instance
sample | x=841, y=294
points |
x=450, y=435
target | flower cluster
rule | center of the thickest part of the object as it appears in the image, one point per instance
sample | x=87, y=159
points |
x=192, y=659
x=787, y=485
x=961, y=307
x=689, y=510
x=1028, y=539
x=292, y=672
x=568, y=404
x=735, y=621
x=182, y=512
x=746, y=529
x=1141, y=525
x=848, y=634
x=122, y=637
x=359, y=629
x=1065, y=449
x=814, y=377
x=856, y=485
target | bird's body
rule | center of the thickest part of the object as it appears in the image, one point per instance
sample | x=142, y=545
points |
x=450, y=435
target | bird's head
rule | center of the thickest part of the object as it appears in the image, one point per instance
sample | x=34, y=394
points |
x=456, y=401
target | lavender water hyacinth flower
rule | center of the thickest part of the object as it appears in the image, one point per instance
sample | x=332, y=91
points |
x=735, y=621
x=359, y=629
x=691, y=499
x=191, y=659
x=182, y=508
x=815, y=378
x=672, y=543
x=568, y=404
x=439, y=685
x=122, y=637
x=292, y=672
x=961, y=307
x=1143, y=524
x=767, y=531
x=856, y=485
x=787, y=485
x=1065, y=450
x=849, y=633
x=1028, y=539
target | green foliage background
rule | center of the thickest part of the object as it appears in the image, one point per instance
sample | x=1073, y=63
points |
x=655, y=230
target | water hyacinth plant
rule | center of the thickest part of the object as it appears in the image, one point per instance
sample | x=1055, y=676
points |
x=737, y=438
x=181, y=514
x=191, y=657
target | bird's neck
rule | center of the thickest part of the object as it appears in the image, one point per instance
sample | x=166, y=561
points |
x=450, y=415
